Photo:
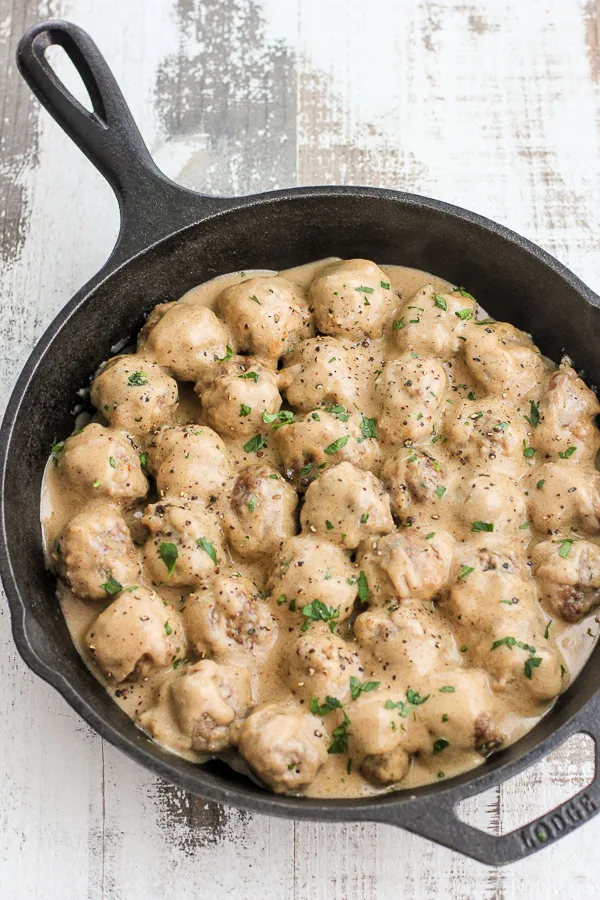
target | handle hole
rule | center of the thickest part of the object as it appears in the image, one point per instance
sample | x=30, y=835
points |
x=62, y=66
x=536, y=791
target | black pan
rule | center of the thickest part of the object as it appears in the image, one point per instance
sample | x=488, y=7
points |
x=172, y=239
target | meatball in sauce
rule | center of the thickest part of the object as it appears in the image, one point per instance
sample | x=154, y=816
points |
x=332, y=524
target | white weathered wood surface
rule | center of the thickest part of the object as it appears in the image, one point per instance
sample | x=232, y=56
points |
x=490, y=104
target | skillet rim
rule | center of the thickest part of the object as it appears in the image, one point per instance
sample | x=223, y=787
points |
x=447, y=793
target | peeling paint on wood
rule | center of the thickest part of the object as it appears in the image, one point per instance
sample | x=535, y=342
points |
x=494, y=105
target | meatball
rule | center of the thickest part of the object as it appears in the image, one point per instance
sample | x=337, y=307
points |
x=321, y=664
x=460, y=708
x=101, y=461
x=406, y=564
x=378, y=744
x=260, y=511
x=487, y=432
x=283, y=746
x=413, y=638
x=189, y=461
x=236, y=394
x=492, y=507
x=135, y=636
x=310, y=569
x=566, y=418
x=431, y=324
x=190, y=530
x=135, y=394
x=413, y=475
x=187, y=339
x=503, y=359
x=266, y=315
x=386, y=768
x=320, y=439
x=199, y=708
x=562, y=497
x=568, y=576
x=411, y=392
x=228, y=621
x=346, y=505
x=95, y=553
x=493, y=606
x=352, y=298
x=320, y=372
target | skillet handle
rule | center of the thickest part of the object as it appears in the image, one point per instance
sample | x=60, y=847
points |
x=439, y=822
x=151, y=205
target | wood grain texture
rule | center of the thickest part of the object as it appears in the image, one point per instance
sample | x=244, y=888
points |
x=491, y=104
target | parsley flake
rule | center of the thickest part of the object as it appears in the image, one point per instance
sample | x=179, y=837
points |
x=208, y=547
x=337, y=445
x=255, y=444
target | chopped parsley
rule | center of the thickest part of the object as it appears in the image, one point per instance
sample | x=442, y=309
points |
x=440, y=745
x=547, y=630
x=466, y=570
x=245, y=410
x=208, y=547
x=340, y=737
x=364, y=593
x=111, y=586
x=429, y=536
x=541, y=484
x=138, y=378
x=365, y=687
x=168, y=628
x=447, y=689
x=532, y=662
x=364, y=290
x=440, y=491
x=399, y=324
x=168, y=553
x=250, y=376
x=482, y=526
x=338, y=411
x=285, y=417
x=528, y=452
x=439, y=301
x=328, y=524
x=112, y=462
x=385, y=285
x=414, y=698
x=143, y=459
x=256, y=300
x=255, y=444
x=321, y=709
x=96, y=483
x=565, y=547
x=252, y=504
x=337, y=445
x=317, y=611
x=368, y=428
x=56, y=447
x=534, y=414
x=227, y=357
x=364, y=518
x=566, y=454
x=464, y=314
x=463, y=293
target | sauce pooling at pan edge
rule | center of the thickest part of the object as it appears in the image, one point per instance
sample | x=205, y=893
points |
x=332, y=524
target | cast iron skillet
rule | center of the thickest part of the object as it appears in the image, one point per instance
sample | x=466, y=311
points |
x=172, y=239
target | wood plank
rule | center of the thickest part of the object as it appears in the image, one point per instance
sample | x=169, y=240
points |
x=492, y=105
